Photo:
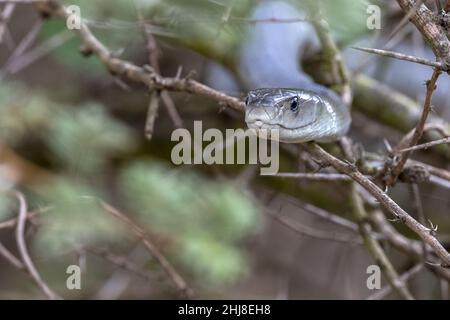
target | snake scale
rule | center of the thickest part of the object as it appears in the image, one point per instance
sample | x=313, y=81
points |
x=304, y=111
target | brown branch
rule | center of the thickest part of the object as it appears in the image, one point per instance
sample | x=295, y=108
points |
x=153, y=55
x=374, y=247
x=404, y=20
x=328, y=216
x=134, y=73
x=5, y=253
x=5, y=15
x=121, y=262
x=11, y=223
x=314, y=176
x=426, y=145
x=349, y=169
x=380, y=294
x=21, y=220
x=418, y=131
x=154, y=81
x=424, y=19
x=173, y=274
x=401, y=56
x=312, y=232
x=152, y=114
x=412, y=248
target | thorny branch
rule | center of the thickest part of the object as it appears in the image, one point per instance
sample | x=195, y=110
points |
x=418, y=131
x=383, y=198
x=422, y=18
x=374, y=247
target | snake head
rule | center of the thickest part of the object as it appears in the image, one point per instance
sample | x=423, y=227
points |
x=290, y=111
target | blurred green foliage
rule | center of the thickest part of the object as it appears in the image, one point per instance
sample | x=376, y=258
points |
x=86, y=137
x=214, y=262
x=21, y=114
x=214, y=28
x=207, y=218
x=206, y=221
x=76, y=219
x=347, y=19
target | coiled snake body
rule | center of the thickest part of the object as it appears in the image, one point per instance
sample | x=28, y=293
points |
x=310, y=112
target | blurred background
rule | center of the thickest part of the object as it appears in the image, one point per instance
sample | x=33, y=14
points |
x=71, y=133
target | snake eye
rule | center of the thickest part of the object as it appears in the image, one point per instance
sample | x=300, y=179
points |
x=246, y=100
x=294, y=105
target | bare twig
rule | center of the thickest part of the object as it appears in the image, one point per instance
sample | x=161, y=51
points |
x=24, y=44
x=426, y=145
x=121, y=262
x=418, y=207
x=424, y=19
x=375, y=248
x=314, y=176
x=177, y=279
x=134, y=73
x=152, y=113
x=5, y=15
x=26, y=59
x=312, y=232
x=404, y=20
x=440, y=129
x=153, y=55
x=349, y=169
x=13, y=222
x=21, y=220
x=401, y=56
x=380, y=294
x=418, y=131
x=5, y=253
x=328, y=216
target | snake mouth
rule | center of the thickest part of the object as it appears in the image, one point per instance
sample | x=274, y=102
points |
x=260, y=124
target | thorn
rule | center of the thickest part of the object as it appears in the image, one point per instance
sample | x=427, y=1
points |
x=148, y=68
x=398, y=219
x=86, y=51
x=179, y=72
x=351, y=164
x=434, y=264
x=387, y=145
x=190, y=75
x=433, y=228
x=321, y=165
x=117, y=53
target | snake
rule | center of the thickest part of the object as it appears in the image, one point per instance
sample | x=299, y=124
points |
x=304, y=111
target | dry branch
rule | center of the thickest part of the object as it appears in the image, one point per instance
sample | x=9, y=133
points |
x=425, y=21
